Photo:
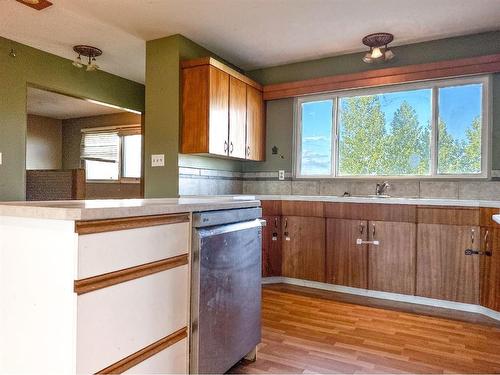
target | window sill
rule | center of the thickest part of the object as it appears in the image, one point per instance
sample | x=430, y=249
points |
x=122, y=181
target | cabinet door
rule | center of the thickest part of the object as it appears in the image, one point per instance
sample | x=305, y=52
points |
x=237, y=117
x=218, y=112
x=303, y=248
x=271, y=247
x=346, y=261
x=490, y=268
x=443, y=269
x=391, y=262
x=256, y=126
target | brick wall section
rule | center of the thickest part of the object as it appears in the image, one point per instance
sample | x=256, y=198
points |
x=42, y=185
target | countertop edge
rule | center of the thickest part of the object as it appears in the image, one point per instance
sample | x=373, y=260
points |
x=103, y=213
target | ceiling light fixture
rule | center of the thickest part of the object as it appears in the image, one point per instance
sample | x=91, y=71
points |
x=90, y=53
x=378, y=47
x=36, y=4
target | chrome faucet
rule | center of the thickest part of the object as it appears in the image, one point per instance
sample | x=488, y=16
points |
x=382, y=188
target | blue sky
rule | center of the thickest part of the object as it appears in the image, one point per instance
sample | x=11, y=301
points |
x=458, y=106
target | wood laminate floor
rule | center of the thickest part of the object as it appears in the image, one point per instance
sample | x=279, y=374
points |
x=309, y=331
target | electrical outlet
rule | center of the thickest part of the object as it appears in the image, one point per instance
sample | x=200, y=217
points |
x=281, y=175
x=158, y=160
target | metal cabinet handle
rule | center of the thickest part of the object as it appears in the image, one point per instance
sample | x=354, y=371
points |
x=225, y=146
x=359, y=241
x=231, y=149
x=373, y=230
x=276, y=222
x=361, y=228
x=248, y=150
x=287, y=237
x=472, y=235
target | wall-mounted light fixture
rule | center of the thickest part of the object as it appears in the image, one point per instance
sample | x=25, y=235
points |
x=378, y=47
x=90, y=53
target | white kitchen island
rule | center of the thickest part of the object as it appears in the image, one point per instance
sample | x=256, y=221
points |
x=97, y=286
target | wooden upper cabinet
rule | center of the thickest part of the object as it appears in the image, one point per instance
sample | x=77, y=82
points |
x=222, y=111
x=256, y=126
x=205, y=111
x=218, y=112
x=237, y=117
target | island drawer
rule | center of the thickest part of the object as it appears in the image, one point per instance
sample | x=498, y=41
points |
x=117, y=321
x=111, y=245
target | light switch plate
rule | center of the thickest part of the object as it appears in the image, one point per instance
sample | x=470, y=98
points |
x=281, y=175
x=158, y=160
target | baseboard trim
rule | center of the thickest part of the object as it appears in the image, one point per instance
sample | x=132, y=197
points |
x=385, y=295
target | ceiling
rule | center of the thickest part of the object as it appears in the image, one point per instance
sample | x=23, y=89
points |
x=62, y=107
x=248, y=33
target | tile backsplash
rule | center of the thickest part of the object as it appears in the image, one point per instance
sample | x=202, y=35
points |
x=267, y=183
x=194, y=181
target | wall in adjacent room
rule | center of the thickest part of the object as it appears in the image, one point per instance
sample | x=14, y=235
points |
x=162, y=123
x=261, y=178
x=43, y=143
x=44, y=70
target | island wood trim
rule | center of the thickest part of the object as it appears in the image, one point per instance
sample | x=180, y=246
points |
x=143, y=354
x=109, y=225
x=386, y=76
x=93, y=283
x=217, y=64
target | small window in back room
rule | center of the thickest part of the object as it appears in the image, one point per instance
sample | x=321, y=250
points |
x=132, y=156
x=112, y=155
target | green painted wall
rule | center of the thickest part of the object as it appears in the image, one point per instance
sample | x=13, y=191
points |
x=163, y=116
x=280, y=113
x=38, y=68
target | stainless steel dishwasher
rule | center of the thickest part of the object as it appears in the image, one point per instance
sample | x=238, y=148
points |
x=225, y=289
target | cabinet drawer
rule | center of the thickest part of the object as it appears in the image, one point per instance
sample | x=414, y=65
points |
x=172, y=360
x=271, y=208
x=372, y=211
x=117, y=321
x=100, y=253
x=302, y=208
x=448, y=215
x=485, y=217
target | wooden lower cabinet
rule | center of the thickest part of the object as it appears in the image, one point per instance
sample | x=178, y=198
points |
x=391, y=262
x=271, y=247
x=303, y=247
x=346, y=262
x=387, y=265
x=443, y=269
x=490, y=268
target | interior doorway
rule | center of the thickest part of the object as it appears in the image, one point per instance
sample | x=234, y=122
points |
x=81, y=149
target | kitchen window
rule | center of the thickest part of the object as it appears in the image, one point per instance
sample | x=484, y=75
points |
x=112, y=154
x=428, y=129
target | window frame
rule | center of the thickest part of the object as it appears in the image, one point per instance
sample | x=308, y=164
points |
x=434, y=85
x=122, y=131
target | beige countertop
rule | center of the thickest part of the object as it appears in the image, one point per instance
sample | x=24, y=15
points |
x=116, y=208
x=361, y=199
